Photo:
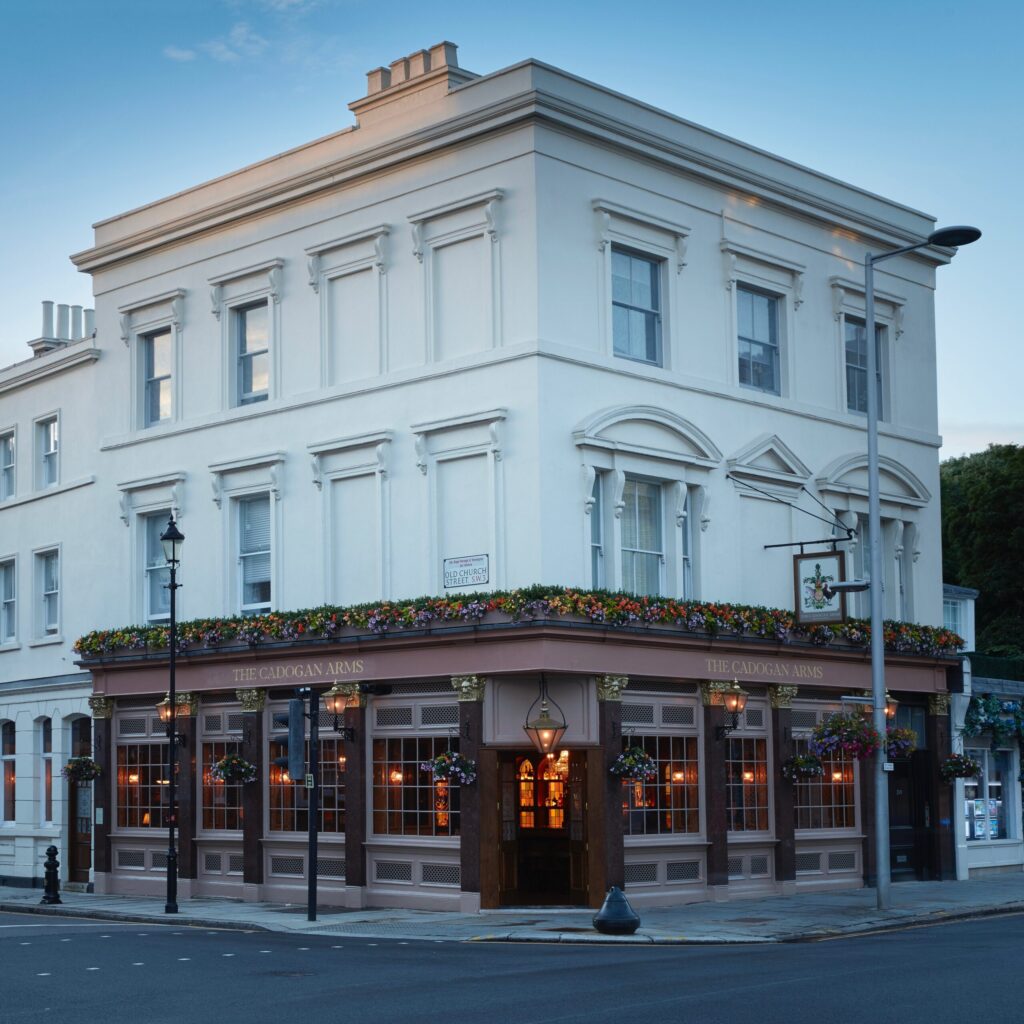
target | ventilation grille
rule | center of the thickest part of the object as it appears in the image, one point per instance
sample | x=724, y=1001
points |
x=235, y=721
x=131, y=858
x=330, y=867
x=442, y=874
x=683, y=870
x=754, y=718
x=158, y=860
x=430, y=686
x=808, y=862
x=286, y=866
x=213, y=723
x=132, y=726
x=392, y=871
x=279, y=720
x=735, y=867
x=842, y=860
x=641, y=874
x=758, y=866
x=211, y=863
x=804, y=719
x=677, y=714
x=439, y=714
x=326, y=720
x=393, y=717
x=236, y=864
x=638, y=714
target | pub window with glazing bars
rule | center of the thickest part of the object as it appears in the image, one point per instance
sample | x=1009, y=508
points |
x=408, y=801
x=222, y=801
x=746, y=773
x=829, y=800
x=289, y=798
x=142, y=785
x=669, y=803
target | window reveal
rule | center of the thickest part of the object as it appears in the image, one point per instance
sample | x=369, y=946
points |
x=8, y=750
x=758, y=316
x=156, y=377
x=408, y=801
x=986, y=797
x=669, y=803
x=636, y=306
x=643, y=550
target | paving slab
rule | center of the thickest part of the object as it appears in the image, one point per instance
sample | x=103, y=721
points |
x=800, y=918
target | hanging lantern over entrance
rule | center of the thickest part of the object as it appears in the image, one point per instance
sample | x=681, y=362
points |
x=544, y=731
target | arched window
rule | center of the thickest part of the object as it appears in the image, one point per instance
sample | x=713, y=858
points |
x=46, y=768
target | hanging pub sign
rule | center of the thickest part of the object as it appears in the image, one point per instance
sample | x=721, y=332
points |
x=811, y=575
x=467, y=571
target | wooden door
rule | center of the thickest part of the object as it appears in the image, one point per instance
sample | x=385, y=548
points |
x=578, y=847
x=508, y=846
x=80, y=807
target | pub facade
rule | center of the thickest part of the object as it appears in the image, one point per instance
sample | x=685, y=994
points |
x=718, y=821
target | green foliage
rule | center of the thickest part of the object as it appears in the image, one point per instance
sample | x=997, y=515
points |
x=983, y=541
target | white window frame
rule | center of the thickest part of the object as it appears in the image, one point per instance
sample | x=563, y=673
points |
x=41, y=431
x=237, y=502
x=43, y=632
x=882, y=348
x=657, y=310
x=659, y=490
x=143, y=519
x=1011, y=796
x=778, y=301
x=9, y=605
x=957, y=606
x=46, y=788
x=595, y=509
x=145, y=343
x=8, y=469
x=237, y=317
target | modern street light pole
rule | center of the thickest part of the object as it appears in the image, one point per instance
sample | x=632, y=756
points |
x=171, y=540
x=951, y=238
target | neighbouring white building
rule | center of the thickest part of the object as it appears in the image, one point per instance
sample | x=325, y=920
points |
x=506, y=330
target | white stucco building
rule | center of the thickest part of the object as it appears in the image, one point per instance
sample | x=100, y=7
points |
x=516, y=327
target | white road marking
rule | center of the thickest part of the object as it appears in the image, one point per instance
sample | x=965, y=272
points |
x=24, y=943
x=138, y=963
x=302, y=949
x=337, y=947
x=92, y=968
x=44, y=974
x=183, y=959
x=227, y=954
x=266, y=951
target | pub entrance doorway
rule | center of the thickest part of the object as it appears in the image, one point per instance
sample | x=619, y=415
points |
x=542, y=829
x=80, y=807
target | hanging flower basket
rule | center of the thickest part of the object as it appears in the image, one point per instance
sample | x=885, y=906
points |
x=847, y=734
x=900, y=743
x=232, y=768
x=81, y=769
x=802, y=766
x=959, y=766
x=451, y=765
x=636, y=765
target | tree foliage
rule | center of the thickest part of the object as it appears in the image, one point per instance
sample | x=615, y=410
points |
x=983, y=541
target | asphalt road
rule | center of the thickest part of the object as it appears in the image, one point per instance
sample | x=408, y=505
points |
x=73, y=970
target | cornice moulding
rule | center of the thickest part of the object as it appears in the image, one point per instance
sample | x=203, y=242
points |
x=144, y=483
x=251, y=271
x=454, y=422
x=352, y=239
x=152, y=300
x=526, y=106
x=342, y=444
x=32, y=370
x=249, y=462
x=467, y=203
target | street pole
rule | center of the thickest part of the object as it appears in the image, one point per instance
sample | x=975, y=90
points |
x=171, y=906
x=882, y=872
x=314, y=802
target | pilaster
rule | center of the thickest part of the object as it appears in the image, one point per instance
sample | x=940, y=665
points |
x=252, y=703
x=715, y=792
x=469, y=691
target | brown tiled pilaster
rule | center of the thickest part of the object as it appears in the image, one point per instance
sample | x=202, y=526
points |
x=252, y=702
x=781, y=698
x=470, y=693
x=355, y=793
x=186, y=796
x=103, y=789
x=715, y=787
x=608, y=789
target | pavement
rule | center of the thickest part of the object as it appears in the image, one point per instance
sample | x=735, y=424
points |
x=772, y=919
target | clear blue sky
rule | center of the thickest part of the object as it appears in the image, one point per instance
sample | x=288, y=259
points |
x=109, y=105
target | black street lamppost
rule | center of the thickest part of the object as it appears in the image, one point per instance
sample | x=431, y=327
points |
x=171, y=540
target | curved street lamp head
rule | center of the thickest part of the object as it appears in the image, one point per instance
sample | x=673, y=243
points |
x=960, y=234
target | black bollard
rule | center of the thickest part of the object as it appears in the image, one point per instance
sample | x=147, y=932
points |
x=616, y=916
x=51, y=888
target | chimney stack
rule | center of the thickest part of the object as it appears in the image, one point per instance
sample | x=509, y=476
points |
x=63, y=316
x=90, y=322
x=76, y=323
x=47, y=320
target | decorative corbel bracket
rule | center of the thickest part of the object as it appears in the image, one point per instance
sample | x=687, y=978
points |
x=381, y=455
x=420, y=442
x=679, y=502
x=838, y=298
x=705, y=508
x=680, y=253
x=494, y=430
x=123, y=504
x=609, y=688
x=729, y=268
x=417, y=240
x=126, y=328
x=275, y=480
x=217, y=483
x=589, y=476
x=216, y=297
x=469, y=689
x=274, y=278
x=490, y=217
x=618, y=486
x=318, y=475
x=604, y=229
x=177, y=314
x=313, y=267
x=380, y=246
x=798, y=289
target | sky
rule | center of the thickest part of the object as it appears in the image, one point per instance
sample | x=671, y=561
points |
x=109, y=105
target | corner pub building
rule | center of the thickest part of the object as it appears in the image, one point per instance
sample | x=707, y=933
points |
x=506, y=329
x=719, y=820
